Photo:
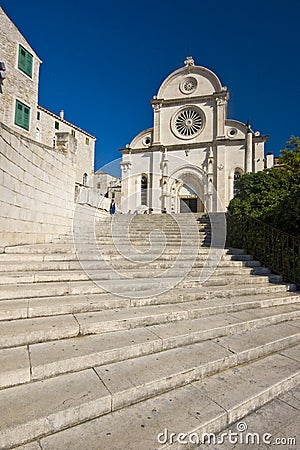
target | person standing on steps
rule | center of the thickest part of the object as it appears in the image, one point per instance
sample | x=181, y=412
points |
x=112, y=208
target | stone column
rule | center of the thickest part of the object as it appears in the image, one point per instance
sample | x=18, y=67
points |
x=248, y=152
x=221, y=99
x=210, y=180
x=156, y=105
x=221, y=116
x=164, y=179
x=125, y=186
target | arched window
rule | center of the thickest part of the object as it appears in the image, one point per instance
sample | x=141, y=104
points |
x=144, y=190
x=84, y=179
x=237, y=174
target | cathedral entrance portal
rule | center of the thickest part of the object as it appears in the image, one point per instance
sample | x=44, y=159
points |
x=188, y=205
x=189, y=200
x=188, y=191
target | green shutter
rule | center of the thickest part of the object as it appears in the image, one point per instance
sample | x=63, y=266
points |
x=19, y=114
x=26, y=117
x=22, y=115
x=25, y=61
x=28, y=64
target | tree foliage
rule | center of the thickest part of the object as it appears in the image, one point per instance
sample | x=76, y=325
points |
x=290, y=156
x=273, y=195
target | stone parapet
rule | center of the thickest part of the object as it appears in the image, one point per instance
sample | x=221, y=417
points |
x=37, y=190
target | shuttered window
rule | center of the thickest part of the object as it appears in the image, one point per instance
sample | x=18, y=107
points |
x=22, y=115
x=25, y=61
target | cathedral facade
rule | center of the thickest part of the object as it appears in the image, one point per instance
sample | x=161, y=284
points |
x=190, y=159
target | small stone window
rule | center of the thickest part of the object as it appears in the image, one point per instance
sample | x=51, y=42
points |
x=73, y=133
x=87, y=141
x=38, y=115
x=56, y=125
x=84, y=179
x=232, y=132
x=147, y=141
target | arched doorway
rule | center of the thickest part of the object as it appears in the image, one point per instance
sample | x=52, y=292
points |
x=188, y=189
x=189, y=201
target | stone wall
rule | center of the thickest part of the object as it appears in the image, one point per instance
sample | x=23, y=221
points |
x=37, y=190
x=87, y=196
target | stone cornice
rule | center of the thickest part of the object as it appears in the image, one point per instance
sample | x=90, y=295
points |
x=192, y=146
x=157, y=103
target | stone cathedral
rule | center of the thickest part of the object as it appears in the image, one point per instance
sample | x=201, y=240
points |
x=190, y=159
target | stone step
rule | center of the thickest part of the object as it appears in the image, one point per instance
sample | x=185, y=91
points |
x=235, y=280
x=105, y=321
x=72, y=352
x=62, y=265
x=139, y=235
x=176, y=377
x=54, y=358
x=25, y=291
x=112, y=254
x=217, y=293
x=274, y=424
x=125, y=277
x=106, y=273
x=71, y=304
x=134, y=230
x=68, y=248
x=135, y=287
x=61, y=248
x=45, y=406
x=206, y=406
x=19, y=332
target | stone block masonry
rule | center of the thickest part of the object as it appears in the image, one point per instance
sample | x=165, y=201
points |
x=37, y=190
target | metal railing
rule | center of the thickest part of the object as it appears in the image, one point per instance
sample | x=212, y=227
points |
x=277, y=250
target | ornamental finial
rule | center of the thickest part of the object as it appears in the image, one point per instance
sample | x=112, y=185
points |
x=189, y=61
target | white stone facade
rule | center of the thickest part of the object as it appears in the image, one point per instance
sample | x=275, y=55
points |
x=193, y=153
x=20, y=88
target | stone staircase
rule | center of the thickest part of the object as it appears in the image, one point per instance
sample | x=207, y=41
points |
x=110, y=340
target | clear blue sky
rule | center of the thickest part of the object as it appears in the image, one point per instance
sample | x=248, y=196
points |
x=104, y=60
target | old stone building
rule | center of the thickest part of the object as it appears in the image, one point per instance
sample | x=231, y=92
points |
x=45, y=161
x=193, y=154
x=19, y=108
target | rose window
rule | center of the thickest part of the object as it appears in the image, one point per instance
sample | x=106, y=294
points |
x=188, y=85
x=188, y=122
